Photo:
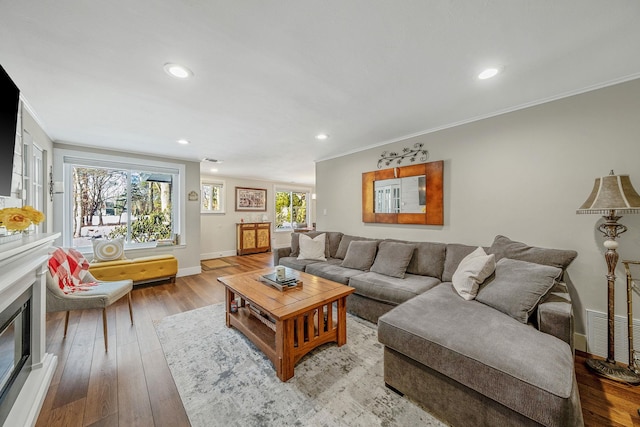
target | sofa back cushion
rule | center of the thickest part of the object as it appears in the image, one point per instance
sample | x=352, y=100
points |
x=333, y=241
x=392, y=258
x=503, y=247
x=454, y=254
x=428, y=259
x=346, y=239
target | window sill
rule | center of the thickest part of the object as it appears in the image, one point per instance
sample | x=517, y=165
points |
x=283, y=230
x=138, y=249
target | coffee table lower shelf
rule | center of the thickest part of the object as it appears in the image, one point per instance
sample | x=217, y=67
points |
x=261, y=335
x=283, y=346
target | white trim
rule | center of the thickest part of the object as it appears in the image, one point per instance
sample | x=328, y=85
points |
x=218, y=254
x=223, y=196
x=67, y=158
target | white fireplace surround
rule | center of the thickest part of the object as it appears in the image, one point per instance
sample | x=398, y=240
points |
x=23, y=265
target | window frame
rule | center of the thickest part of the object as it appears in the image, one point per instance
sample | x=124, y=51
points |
x=223, y=196
x=71, y=159
x=288, y=189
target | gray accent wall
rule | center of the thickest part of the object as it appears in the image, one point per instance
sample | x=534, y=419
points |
x=522, y=174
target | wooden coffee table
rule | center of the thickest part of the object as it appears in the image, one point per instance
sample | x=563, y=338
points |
x=287, y=324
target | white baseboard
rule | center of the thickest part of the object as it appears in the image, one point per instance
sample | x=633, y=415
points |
x=219, y=254
x=189, y=271
x=580, y=342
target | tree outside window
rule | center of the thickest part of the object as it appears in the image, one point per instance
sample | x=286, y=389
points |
x=291, y=209
x=212, y=197
x=113, y=203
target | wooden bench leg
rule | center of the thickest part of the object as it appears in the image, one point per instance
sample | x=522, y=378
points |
x=104, y=329
x=130, y=308
x=66, y=324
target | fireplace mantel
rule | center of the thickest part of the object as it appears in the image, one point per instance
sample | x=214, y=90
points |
x=23, y=264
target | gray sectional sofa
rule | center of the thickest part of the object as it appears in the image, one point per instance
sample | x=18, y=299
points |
x=502, y=359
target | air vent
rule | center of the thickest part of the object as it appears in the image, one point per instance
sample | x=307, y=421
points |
x=210, y=160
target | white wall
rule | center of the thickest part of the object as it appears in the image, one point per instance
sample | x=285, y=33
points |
x=522, y=175
x=218, y=231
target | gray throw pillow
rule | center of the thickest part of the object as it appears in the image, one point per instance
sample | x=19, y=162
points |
x=344, y=245
x=503, y=247
x=393, y=258
x=428, y=259
x=360, y=254
x=517, y=287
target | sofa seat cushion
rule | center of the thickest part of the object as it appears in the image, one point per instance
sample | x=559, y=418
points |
x=391, y=290
x=485, y=350
x=332, y=270
x=297, y=264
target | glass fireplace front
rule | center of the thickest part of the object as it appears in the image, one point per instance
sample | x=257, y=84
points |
x=15, y=350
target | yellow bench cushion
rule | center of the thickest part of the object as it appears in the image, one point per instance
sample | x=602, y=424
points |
x=140, y=270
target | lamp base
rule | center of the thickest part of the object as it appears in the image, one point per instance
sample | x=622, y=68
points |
x=613, y=371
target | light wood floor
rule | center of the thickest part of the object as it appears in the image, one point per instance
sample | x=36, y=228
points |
x=131, y=384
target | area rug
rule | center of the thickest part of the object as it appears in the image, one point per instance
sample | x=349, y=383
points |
x=224, y=380
x=212, y=264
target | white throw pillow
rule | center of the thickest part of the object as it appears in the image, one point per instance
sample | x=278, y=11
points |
x=472, y=271
x=108, y=250
x=312, y=248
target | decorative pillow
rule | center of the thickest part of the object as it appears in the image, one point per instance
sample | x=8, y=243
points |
x=393, y=258
x=360, y=254
x=454, y=253
x=312, y=248
x=344, y=245
x=108, y=250
x=518, y=287
x=503, y=247
x=428, y=259
x=295, y=242
x=472, y=271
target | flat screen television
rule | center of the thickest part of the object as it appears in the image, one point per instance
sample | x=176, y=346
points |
x=9, y=97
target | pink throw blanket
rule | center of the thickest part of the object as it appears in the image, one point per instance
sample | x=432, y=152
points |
x=68, y=268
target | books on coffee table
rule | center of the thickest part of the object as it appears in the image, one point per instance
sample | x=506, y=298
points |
x=290, y=281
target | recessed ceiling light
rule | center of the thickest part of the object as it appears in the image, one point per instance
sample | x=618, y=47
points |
x=488, y=73
x=322, y=136
x=183, y=141
x=214, y=170
x=178, y=71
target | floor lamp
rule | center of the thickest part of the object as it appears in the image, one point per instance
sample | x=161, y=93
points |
x=611, y=196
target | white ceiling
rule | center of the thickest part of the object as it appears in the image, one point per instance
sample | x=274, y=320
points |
x=270, y=75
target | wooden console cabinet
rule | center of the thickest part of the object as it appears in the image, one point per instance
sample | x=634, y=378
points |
x=253, y=237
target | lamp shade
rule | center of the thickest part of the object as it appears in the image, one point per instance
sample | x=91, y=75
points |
x=612, y=192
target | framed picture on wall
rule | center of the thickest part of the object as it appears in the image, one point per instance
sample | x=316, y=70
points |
x=251, y=199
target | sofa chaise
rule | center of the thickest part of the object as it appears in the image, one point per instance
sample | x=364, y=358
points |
x=503, y=357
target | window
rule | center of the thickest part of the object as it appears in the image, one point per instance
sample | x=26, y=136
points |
x=291, y=209
x=213, y=196
x=111, y=200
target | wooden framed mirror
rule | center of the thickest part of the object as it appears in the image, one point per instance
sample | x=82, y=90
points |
x=404, y=195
